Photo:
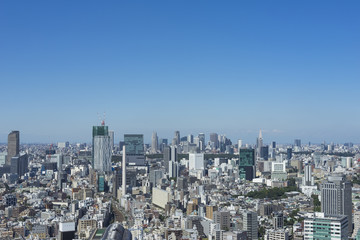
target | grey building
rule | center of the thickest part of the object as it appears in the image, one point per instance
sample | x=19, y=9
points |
x=19, y=164
x=336, y=197
x=176, y=138
x=167, y=157
x=9, y=200
x=155, y=176
x=250, y=225
x=13, y=145
x=223, y=219
x=278, y=220
x=154, y=143
x=214, y=139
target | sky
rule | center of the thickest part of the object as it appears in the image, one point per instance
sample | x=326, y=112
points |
x=290, y=68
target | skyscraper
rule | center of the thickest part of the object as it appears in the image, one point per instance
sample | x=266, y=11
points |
x=19, y=164
x=336, y=197
x=308, y=179
x=250, y=225
x=190, y=138
x=173, y=164
x=167, y=155
x=297, y=142
x=102, y=153
x=214, y=139
x=247, y=164
x=154, y=143
x=134, y=148
x=111, y=134
x=13, y=145
x=202, y=141
x=264, y=152
x=98, y=131
x=177, y=137
x=259, y=144
x=289, y=153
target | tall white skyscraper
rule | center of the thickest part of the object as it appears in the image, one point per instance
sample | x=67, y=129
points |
x=154, y=143
x=239, y=144
x=259, y=144
x=111, y=134
x=308, y=179
x=123, y=166
x=190, y=138
x=102, y=153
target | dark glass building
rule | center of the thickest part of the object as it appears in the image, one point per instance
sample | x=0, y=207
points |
x=134, y=147
x=247, y=164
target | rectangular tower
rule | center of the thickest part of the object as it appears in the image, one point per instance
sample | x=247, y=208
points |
x=134, y=148
x=336, y=197
x=13, y=145
x=247, y=164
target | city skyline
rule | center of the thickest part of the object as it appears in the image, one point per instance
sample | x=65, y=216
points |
x=288, y=68
x=247, y=137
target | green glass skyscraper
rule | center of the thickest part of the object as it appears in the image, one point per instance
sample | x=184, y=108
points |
x=247, y=164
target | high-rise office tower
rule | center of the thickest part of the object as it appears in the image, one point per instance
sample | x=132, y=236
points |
x=98, y=131
x=250, y=225
x=19, y=164
x=13, y=145
x=197, y=143
x=162, y=143
x=202, y=141
x=154, y=143
x=167, y=157
x=264, y=152
x=273, y=150
x=123, y=166
x=247, y=164
x=173, y=164
x=308, y=179
x=102, y=153
x=214, y=139
x=239, y=144
x=111, y=134
x=190, y=138
x=259, y=144
x=336, y=197
x=134, y=148
x=297, y=142
x=289, y=153
x=177, y=138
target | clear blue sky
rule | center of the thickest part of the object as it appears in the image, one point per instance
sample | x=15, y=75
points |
x=291, y=68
